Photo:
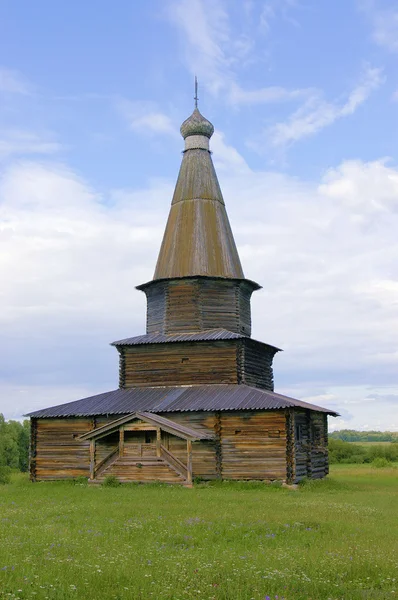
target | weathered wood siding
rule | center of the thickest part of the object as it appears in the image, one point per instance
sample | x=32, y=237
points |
x=247, y=445
x=204, y=453
x=255, y=364
x=179, y=364
x=156, y=307
x=225, y=304
x=59, y=454
x=196, y=304
x=310, y=448
x=253, y=445
x=189, y=363
x=105, y=445
x=290, y=447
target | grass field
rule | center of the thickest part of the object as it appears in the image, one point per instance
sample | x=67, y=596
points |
x=331, y=539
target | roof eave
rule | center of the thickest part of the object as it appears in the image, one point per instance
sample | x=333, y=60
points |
x=256, y=286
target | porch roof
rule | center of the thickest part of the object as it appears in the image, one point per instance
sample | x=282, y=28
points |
x=186, y=433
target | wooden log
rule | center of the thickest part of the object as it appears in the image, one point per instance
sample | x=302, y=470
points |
x=121, y=441
x=189, y=462
x=290, y=447
x=158, y=441
x=92, y=459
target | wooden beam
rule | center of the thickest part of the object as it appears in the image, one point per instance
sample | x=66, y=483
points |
x=189, y=462
x=290, y=447
x=158, y=441
x=121, y=441
x=92, y=459
x=218, y=445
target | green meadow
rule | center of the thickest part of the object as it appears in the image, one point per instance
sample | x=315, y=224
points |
x=331, y=539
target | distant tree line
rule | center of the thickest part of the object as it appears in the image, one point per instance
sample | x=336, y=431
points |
x=345, y=452
x=14, y=444
x=350, y=435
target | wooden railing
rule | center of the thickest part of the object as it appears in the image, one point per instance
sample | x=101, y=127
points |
x=136, y=449
x=174, y=462
x=105, y=462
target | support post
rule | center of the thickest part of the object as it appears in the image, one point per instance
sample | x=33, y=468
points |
x=158, y=441
x=121, y=441
x=189, y=462
x=92, y=459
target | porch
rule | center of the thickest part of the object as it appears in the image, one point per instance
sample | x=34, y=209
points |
x=135, y=448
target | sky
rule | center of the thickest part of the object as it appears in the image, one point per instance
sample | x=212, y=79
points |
x=304, y=99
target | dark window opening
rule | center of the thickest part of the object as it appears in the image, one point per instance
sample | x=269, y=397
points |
x=299, y=433
x=148, y=437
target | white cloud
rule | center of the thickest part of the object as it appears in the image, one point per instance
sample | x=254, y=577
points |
x=271, y=9
x=316, y=113
x=146, y=118
x=370, y=190
x=384, y=22
x=215, y=53
x=226, y=157
x=70, y=256
x=17, y=142
x=12, y=82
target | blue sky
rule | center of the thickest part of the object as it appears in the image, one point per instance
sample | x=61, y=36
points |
x=304, y=99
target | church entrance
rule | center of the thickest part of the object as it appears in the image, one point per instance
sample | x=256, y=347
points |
x=139, y=442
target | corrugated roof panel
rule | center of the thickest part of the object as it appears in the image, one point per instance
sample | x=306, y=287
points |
x=198, y=336
x=176, y=399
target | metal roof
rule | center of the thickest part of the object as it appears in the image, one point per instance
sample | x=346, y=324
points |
x=218, y=397
x=187, y=433
x=198, y=336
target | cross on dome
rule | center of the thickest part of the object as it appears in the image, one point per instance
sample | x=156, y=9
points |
x=196, y=124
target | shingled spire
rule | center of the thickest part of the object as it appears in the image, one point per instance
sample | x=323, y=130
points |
x=198, y=240
x=198, y=283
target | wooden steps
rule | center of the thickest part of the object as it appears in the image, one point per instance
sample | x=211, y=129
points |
x=145, y=469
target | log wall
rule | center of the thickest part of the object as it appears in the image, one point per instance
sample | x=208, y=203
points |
x=58, y=452
x=196, y=304
x=247, y=445
x=310, y=448
x=204, y=456
x=179, y=364
x=255, y=364
x=253, y=445
x=189, y=363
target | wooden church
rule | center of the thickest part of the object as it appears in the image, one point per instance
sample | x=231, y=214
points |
x=196, y=393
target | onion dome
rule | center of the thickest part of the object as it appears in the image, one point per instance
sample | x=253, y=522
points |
x=196, y=124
